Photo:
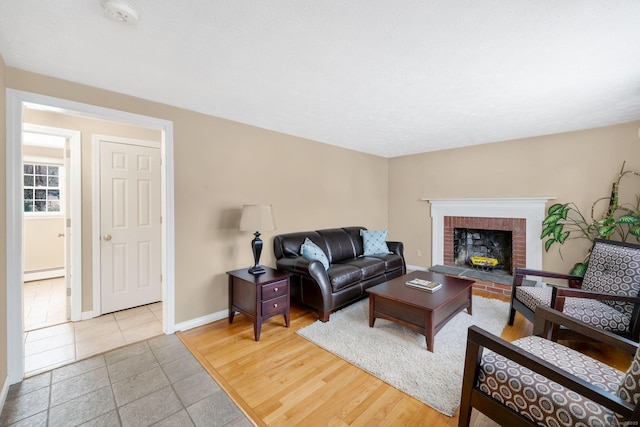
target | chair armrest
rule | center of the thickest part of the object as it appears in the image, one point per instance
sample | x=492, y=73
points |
x=582, y=293
x=518, y=275
x=483, y=339
x=546, y=317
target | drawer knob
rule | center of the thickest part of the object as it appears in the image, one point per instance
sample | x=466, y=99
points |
x=275, y=305
x=275, y=289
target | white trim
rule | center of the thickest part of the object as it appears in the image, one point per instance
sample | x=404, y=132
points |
x=16, y=100
x=15, y=261
x=86, y=315
x=531, y=209
x=95, y=232
x=203, y=320
x=416, y=268
x=30, y=276
x=4, y=392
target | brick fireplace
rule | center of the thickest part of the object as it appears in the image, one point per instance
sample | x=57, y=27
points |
x=517, y=227
x=521, y=216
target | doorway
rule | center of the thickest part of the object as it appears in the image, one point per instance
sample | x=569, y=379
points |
x=51, y=225
x=17, y=101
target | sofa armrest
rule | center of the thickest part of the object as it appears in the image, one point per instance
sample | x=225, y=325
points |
x=304, y=267
x=396, y=247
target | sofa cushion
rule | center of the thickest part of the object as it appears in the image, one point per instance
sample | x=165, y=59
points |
x=290, y=245
x=597, y=313
x=533, y=296
x=374, y=241
x=369, y=266
x=311, y=251
x=391, y=261
x=343, y=275
x=590, y=311
x=339, y=244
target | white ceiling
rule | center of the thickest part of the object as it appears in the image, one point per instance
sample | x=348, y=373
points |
x=384, y=77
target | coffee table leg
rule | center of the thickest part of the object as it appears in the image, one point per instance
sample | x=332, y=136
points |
x=372, y=319
x=469, y=309
x=428, y=329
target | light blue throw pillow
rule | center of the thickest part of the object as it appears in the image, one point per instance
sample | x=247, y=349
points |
x=375, y=242
x=311, y=251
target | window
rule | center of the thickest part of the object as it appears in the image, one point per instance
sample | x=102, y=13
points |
x=42, y=188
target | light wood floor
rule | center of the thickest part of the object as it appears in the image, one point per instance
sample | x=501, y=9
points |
x=286, y=380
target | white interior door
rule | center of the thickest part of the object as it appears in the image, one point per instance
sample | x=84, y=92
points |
x=130, y=215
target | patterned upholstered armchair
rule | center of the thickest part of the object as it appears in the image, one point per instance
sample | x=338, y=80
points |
x=607, y=297
x=538, y=382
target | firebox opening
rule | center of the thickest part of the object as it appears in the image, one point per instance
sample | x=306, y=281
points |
x=483, y=249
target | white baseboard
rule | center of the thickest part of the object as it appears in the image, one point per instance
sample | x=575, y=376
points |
x=86, y=315
x=416, y=267
x=30, y=276
x=199, y=321
x=4, y=392
x=182, y=326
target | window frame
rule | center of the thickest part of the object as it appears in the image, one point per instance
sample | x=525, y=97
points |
x=45, y=161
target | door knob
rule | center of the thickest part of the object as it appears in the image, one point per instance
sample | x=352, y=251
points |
x=60, y=234
x=107, y=237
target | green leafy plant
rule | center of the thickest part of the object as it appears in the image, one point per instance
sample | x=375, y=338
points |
x=619, y=221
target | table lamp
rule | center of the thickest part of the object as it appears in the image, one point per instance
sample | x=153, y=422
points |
x=257, y=217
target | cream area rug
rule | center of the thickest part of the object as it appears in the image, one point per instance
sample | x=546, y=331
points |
x=399, y=356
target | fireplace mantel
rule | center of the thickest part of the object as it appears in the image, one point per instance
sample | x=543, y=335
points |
x=531, y=209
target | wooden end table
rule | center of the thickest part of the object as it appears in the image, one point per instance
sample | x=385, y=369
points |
x=422, y=311
x=259, y=296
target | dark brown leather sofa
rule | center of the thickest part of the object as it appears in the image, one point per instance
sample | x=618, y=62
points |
x=349, y=275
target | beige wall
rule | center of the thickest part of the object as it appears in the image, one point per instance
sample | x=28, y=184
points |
x=88, y=127
x=221, y=165
x=576, y=166
x=43, y=248
x=3, y=229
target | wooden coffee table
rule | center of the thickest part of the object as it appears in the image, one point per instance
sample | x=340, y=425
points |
x=422, y=311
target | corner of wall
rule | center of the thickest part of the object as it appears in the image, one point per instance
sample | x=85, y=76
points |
x=3, y=235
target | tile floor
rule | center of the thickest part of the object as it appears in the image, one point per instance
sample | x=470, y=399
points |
x=53, y=346
x=44, y=303
x=153, y=382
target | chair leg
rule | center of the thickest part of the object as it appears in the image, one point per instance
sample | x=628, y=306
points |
x=472, y=360
x=512, y=316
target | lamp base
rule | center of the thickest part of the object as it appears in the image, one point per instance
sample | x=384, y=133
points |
x=257, y=269
x=256, y=248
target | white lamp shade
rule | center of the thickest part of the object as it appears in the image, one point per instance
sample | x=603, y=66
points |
x=257, y=218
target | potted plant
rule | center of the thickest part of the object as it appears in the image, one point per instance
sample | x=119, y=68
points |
x=620, y=221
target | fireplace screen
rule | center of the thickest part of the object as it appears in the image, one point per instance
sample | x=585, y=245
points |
x=483, y=249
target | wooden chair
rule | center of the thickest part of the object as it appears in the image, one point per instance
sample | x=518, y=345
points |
x=535, y=381
x=607, y=297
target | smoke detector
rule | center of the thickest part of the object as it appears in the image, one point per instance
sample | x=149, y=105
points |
x=120, y=11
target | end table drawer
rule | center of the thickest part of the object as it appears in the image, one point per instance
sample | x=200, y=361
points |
x=273, y=290
x=274, y=305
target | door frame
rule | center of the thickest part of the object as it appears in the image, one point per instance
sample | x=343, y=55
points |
x=73, y=266
x=16, y=100
x=96, y=195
